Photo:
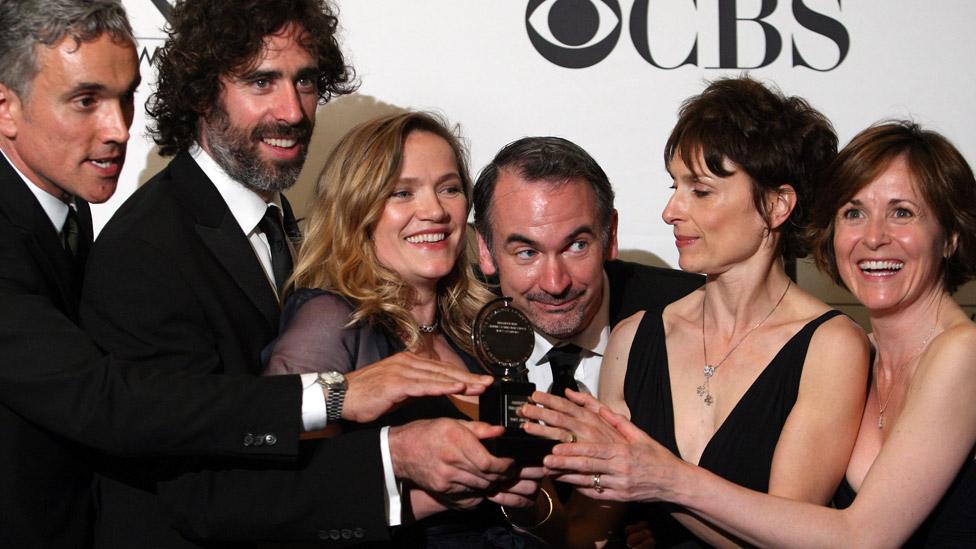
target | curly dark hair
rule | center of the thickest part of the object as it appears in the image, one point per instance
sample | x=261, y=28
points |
x=774, y=139
x=211, y=38
x=940, y=172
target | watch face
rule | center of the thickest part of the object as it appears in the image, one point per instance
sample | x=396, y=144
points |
x=333, y=378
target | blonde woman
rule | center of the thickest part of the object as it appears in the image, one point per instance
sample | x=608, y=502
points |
x=384, y=275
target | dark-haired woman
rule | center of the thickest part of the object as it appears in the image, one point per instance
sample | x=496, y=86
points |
x=897, y=225
x=749, y=377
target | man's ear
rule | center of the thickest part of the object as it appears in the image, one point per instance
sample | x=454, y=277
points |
x=612, y=250
x=780, y=204
x=485, y=261
x=10, y=111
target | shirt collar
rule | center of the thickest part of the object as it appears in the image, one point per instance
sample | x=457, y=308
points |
x=54, y=207
x=593, y=339
x=245, y=205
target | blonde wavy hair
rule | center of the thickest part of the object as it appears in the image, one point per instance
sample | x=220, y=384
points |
x=338, y=252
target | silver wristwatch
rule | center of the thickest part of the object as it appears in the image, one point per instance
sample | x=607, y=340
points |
x=335, y=385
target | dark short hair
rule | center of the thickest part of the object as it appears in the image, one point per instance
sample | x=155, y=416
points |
x=213, y=38
x=25, y=24
x=940, y=172
x=774, y=139
x=547, y=159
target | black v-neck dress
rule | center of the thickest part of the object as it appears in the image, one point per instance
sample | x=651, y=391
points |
x=742, y=448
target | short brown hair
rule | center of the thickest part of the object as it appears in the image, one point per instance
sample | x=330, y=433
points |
x=942, y=175
x=774, y=139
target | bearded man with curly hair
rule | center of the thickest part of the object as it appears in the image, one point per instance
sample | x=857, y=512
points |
x=187, y=277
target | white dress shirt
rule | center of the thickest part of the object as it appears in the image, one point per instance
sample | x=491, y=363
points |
x=592, y=340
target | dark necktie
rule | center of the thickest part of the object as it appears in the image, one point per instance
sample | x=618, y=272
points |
x=70, y=232
x=563, y=361
x=281, y=262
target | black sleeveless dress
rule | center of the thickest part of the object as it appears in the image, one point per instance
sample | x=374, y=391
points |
x=953, y=521
x=742, y=448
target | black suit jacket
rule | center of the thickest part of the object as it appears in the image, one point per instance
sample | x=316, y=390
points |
x=635, y=287
x=59, y=392
x=174, y=284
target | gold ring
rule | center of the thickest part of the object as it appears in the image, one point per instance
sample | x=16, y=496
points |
x=573, y=437
x=596, y=483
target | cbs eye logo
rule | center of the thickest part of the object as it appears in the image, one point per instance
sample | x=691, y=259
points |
x=573, y=33
x=580, y=33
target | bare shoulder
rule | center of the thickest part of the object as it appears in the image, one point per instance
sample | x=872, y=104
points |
x=843, y=326
x=684, y=311
x=626, y=328
x=952, y=353
x=839, y=335
x=621, y=339
x=838, y=356
x=615, y=358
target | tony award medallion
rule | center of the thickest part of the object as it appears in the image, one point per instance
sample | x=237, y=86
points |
x=503, y=340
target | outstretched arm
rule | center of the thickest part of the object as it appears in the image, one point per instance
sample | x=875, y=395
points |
x=318, y=337
x=909, y=477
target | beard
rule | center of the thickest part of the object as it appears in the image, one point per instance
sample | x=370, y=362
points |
x=235, y=149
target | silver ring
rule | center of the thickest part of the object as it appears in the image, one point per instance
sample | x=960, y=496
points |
x=596, y=483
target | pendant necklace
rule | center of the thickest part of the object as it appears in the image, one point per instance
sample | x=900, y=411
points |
x=882, y=406
x=709, y=369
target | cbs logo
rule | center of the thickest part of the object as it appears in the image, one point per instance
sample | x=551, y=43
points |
x=580, y=33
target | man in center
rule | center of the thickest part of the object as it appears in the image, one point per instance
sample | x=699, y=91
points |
x=547, y=229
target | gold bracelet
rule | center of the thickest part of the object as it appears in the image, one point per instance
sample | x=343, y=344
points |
x=538, y=524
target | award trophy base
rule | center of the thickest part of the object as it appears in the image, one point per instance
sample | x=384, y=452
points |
x=498, y=405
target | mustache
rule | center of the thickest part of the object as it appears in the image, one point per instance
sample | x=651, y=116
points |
x=301, y=132
x=550, y=299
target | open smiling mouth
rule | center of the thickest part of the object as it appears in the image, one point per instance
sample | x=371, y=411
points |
x=280, y=143
x=423, y=238
x=880, y=268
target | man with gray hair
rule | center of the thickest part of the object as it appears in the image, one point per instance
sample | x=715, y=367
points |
x=68, y=73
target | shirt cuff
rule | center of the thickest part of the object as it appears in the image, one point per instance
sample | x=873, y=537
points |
x=394, y=507
x=314, y=411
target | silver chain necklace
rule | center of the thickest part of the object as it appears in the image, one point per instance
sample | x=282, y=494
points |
x=891, y=388
x=709, y=369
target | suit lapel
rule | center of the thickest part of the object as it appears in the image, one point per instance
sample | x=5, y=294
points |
x=220, y=233
x=22, y=210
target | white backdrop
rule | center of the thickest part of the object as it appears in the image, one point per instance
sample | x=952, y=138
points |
x=474, y=61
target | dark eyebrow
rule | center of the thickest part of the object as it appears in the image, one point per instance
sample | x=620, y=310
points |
x=576, y=233
x=134, y=85
x=309, y=72
x=85, y=87
x=516, y=238
x=260, y=75
x=579, y=231
x=891, y=202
